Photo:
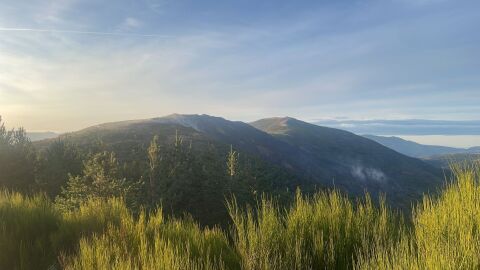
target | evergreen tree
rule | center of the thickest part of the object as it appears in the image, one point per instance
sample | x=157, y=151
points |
x=101, y=178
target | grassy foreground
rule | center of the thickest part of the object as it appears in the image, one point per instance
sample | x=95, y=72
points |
x=326, y=231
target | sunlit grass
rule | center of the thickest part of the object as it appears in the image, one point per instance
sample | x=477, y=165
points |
x=324, y=231
x=446, y=229
x=320, y=232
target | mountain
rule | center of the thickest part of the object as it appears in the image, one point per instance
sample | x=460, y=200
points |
x=353, y=163
x=414, y=149
x=193, y=175
x=438, y=156
x=305, y=155
x=37, y=136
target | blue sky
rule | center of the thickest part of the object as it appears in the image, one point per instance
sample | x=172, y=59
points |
x=65, y=65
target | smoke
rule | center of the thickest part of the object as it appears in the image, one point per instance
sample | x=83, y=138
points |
x=368, y=174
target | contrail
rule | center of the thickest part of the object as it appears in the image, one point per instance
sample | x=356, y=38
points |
x=3, y=29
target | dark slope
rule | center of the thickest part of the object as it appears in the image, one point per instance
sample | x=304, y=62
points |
x=350, y=162
x=414, y=149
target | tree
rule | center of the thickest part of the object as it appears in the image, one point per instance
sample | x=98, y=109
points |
x=17, y=159
x=55, y=164
x=101, y=179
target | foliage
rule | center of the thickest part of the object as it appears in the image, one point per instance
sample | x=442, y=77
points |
x=104, y=217
x=445, y=232
x=324, y=231
x=55, y=163
x=101, y=179
x=17, y=160
x=155, y=243
x=26, y=227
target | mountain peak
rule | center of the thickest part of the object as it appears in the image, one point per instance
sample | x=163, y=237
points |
x=276, y=124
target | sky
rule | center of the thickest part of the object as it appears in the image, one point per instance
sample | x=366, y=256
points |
x=69, y=64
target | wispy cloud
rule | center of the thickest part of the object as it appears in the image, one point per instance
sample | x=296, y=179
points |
x=58, y=31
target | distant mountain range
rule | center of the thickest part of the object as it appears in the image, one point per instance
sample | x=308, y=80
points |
x=37, y=136
x=414, y=149
x=439, y=156
x=320, y=156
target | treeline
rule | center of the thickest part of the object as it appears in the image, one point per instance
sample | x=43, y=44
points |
x=324, y=231
x=183, y=177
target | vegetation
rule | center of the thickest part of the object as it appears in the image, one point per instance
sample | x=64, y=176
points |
x=316, y=232
x=445, y=231
x=179, y=205
x=17, y=160
x=101, y=179
x=182, y=175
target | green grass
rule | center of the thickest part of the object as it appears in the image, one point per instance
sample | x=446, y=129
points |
x=445, y=233
x=155, y=243
x=26, y=228
x=324, y=231
x=320, y=232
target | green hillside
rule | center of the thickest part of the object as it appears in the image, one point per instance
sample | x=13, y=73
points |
x=352, y=163
x=306, y=155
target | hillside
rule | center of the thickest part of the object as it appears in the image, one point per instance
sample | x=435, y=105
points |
x=313, y=156
x=353, y=163
x=193, y=177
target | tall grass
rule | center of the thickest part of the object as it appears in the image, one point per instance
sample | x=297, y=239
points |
x=324, y=231
x=155, y=243
x=446, y=229
x=26, y=228
x=34, y=234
